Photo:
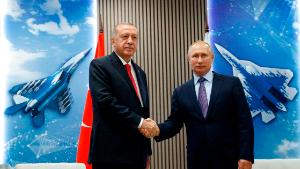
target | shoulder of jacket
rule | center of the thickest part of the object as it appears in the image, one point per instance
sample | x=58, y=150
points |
x=101, y=60
x=184, y=86
x=225, y=77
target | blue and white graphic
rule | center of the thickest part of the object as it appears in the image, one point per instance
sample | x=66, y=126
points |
x=33, y=97
x=256, y=40
x=48, y=58
x=266, y=89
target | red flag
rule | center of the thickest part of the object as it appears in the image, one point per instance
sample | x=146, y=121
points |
x=87, y=120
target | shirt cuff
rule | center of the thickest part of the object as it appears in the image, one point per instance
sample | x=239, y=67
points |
x=141, y=122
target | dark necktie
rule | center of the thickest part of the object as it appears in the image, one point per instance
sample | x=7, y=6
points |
x=202, y=98
x=128, y=69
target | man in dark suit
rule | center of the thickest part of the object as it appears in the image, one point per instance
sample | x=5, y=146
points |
x=120, y=104
x=216, y=115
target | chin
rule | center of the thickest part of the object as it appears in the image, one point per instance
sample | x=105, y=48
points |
x=129, y=53
x=199, y=73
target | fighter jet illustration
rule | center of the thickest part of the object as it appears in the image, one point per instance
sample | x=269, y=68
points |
x=266, y=88
x=34, y=96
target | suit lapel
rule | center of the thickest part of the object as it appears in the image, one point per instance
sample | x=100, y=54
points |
x=142, y=85
x=216, y=86
x=121, y=69
x=192, y=93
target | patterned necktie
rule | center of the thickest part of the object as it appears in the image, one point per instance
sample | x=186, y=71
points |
x=202, y=98
x=128, y=69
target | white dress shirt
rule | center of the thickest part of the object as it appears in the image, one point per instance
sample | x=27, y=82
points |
x=136, y=82
x=207, y=84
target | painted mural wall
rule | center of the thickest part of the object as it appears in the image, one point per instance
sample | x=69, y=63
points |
x=51, y=44
x=257, y=41
x=50, y=47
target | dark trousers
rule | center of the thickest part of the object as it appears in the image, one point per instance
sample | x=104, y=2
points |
x=117, y=166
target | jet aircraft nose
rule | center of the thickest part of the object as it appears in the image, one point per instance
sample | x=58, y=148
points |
x=73, y=61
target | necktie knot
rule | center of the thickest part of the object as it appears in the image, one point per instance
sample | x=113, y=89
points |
x=201, y=79
x=127, y=66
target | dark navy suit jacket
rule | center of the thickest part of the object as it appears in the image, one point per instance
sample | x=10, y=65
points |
x=117, y=113
x=224, y=136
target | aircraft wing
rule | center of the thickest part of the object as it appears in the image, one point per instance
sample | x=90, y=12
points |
x=62, y=102
x=32, y=89
x=24, y=92
x=254, y=99
x=257, y=106
x=279, y=78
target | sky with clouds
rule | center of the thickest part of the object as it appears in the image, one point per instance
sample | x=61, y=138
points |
x=264, y=33
x=40, y=35
x=286, y=147
x=43, y=31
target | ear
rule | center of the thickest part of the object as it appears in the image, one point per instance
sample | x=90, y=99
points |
x=188, y=57
x=112, y=40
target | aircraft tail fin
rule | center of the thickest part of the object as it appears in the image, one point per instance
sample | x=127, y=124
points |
x=15, y=108
x=290, y=92
x=16, y=88
x=267, y=116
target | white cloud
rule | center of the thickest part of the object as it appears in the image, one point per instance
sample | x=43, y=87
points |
x=63, y=28
x=90, y=20
x=17, y=58
x=52, y=7
x=286, y=147
x=14, y=10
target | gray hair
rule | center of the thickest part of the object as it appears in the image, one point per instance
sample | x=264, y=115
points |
x=199, y=42
x=114, y=32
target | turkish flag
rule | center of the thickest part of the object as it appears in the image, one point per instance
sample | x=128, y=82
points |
x=87, y=120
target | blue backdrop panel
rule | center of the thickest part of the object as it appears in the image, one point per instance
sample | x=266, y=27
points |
x=48, y=78
x=256, y=41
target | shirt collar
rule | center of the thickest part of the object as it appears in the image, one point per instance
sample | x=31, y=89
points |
x=208, y=76
x=123, y=61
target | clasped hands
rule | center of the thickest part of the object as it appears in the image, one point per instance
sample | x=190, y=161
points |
x=149, y=128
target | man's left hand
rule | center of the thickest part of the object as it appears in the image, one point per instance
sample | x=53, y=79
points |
x=149, y=128
x=244, y=164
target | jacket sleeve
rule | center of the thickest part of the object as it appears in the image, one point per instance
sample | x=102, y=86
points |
x=174, y=123
x=245, y=124
x=104, y=99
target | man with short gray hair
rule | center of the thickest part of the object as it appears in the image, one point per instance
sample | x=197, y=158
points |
x=120, y=104
x=216, y=115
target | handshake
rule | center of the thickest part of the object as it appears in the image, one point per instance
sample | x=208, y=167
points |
x=149, y=128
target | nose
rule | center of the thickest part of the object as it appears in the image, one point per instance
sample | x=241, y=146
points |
x=199, y=59
x=130, y=40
